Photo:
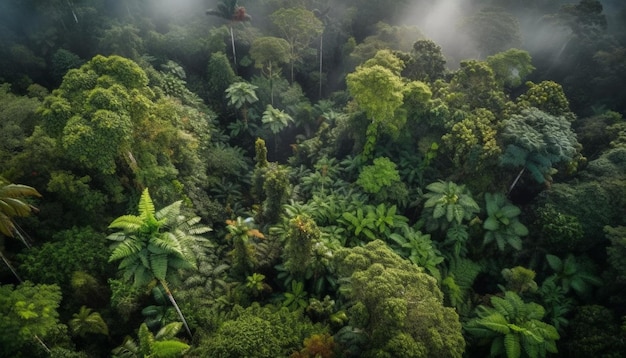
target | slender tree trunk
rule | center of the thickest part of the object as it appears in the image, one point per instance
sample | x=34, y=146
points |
x=519, y=175
x=271, y=85
x=232, y=42
x=321, y=61
x=6, y=262
x=173, y=301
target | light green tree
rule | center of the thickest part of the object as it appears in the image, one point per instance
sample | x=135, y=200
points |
x=378, y=91
x=160, y=345
x=29, y=314
x=155, y=245
x=513, y=328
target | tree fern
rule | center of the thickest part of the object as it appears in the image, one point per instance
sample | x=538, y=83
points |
x=513, y=327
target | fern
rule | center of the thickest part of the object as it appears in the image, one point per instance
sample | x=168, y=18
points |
x=514, y=326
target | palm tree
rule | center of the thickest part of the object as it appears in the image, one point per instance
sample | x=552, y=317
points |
x=240, y=95
x=229, y=10
x=12, y=205
x=155, y=245
x=86, y=321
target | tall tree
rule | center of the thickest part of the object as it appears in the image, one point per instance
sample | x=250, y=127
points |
x=229, y=10
x=155, y=245
x=299, y=27
x=377, y=90
x=268, y=53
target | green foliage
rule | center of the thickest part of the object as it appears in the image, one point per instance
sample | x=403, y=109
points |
x=13, y=204
x=389, y=297
x=595, y=333
x=519, y=279
x=259, y=331
x=302, y=235
x=459, y=275
x=275, y=119
x=16, y=122
x=511, y=67
x=318, y=345
x=378, y=92
x=617, y=249
x=472, y=141
x=447, y=203
x=86, y=321
x=368, y=223
x=538, y=141
x=573, y=274
x=558, y=231
x=548, y=97
x=76, y=249
x=502, y=224
x=242, y=233
x=381, y=175
x=162, y=345
x=296, y=298
x=474, y=86
x=418, y=248
x=513, y=328
x=27, y=310
x=426, y=62
x=241, y=94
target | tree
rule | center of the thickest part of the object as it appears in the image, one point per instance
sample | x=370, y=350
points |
x=28, y=312
x=513, y=328
x=229, y=10
x=155, y=245
x=378, y=91
x=268, y=53
x=493, y=29
x=536, y=140
x=511, y=67
x=502, y=224
x=426, y=62
x=299, y=27
x=476, y=87
x=447, y=204
x=86, y=321
x=240, y=95
x=396, y=305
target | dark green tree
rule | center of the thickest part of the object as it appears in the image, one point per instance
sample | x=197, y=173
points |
x=155, y=245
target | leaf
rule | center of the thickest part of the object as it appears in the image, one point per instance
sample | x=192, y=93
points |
x=512, y=346
x=491, y=224
x=169, y=331
x=510, y=211
x=555, y=263
x=162, y=349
